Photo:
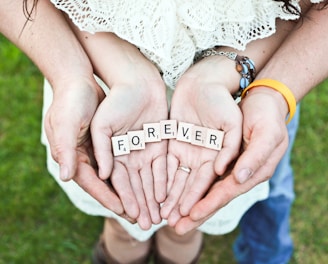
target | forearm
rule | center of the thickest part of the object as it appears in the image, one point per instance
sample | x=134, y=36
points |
x=301, y=61
x=223, y=70
x=261, y=50
x=47, y=40
x=108, y=53
x=115, y=60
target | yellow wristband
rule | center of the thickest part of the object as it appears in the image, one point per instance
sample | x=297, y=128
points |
x=281, y=88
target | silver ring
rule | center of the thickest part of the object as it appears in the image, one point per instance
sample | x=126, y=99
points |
x=185, y=169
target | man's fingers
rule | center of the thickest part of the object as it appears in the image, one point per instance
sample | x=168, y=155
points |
x=122, y=185
x=103, y=153
x=258, y=154
x=88, y=180
x=63, y=145
x=186, y=224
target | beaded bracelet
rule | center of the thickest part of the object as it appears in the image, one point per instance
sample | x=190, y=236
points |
x=244, y=65
x=281, y=88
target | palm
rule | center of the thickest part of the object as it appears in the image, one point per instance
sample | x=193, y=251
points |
x=210, y=107
x=137, y=177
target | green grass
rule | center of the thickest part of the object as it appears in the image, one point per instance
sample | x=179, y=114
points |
x=38, y=224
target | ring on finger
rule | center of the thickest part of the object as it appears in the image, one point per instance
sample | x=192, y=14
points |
x=184, y=168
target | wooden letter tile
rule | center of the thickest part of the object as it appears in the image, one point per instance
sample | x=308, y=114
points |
x=152, y=132
x=184, y=132
x=214, y=139
x=168, y=129
x=120, y=145
x=198, y=135
x=136, y=140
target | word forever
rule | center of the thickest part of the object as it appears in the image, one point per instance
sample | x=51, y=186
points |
x=167, y=129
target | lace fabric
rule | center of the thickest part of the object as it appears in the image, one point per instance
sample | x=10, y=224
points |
x=171, y=32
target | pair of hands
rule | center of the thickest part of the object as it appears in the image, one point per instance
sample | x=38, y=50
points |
x=142, y=180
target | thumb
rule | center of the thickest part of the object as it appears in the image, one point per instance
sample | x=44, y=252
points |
x=66, y=159
x=260, y=157
x=63, y=140
x=254, y=156
x=102, y=150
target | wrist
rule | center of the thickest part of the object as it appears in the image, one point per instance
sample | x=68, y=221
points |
x=275, y=85
x=244, y=66
x=213, y=71
x=82, y=84
x=266, y=92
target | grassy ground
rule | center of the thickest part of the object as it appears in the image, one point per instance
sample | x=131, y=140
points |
x=39, y=225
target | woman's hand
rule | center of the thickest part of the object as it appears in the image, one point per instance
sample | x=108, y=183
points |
x=137, y=96
x=139, y=177
x=200, y=98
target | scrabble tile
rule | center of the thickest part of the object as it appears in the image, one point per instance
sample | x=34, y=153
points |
x=198, y=135
x=136, y=139
x=184, y=132
x=120, y=145
x=168, y=129
x=152, y=132
x=214, y=139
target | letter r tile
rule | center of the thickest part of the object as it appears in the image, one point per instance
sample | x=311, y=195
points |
x=120, y=145
x=152, y=132
x=214, y=139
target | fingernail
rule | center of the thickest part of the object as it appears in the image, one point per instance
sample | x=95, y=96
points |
x=244, y=174
x=64, y=176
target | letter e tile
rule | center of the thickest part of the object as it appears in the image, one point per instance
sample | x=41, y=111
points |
x=198, y=135
x=168, y=129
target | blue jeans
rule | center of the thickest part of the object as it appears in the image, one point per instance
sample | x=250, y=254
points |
x=264, y=230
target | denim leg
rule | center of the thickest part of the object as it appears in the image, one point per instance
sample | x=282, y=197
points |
x=264, y=230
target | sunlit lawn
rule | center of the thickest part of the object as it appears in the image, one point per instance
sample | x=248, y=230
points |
x=38, y=224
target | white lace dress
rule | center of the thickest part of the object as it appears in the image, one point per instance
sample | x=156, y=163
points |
x=170, y=33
